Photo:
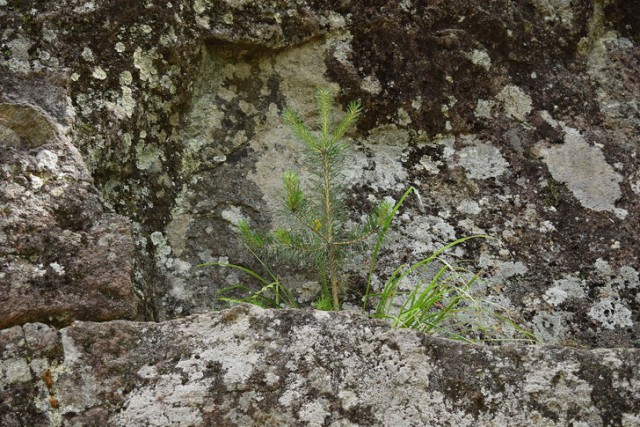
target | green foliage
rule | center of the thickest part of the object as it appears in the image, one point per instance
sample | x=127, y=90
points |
x=315, y=232
x=272, y=294
x=443, y=304
x=323, y=303
x=386, y=214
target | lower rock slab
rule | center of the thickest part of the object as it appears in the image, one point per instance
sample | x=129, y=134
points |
x=246, y=366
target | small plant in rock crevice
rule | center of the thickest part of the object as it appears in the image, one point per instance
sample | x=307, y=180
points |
x=315, y=232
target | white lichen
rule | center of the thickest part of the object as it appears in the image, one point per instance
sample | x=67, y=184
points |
x=480, y=58
x=611, y=314
x=203, y=22
x=227, y=18
x=403, y=117
x=483, y=109
x=47, y=161
x=126, y=78
x=124, y=105
x=149, y=157
x=555, y=296
x=470, y=207
x=13, y=371
x=199, y=6
x=19, y=62
x=36, y=182
x=584, y=170
x=515, y=102
x=430, y=165
x=163, y=250
x=556, y=10
x=371, y=85
x=99, y=73
x=143, y=62
x=482, y=161
x=87, y=54
x=59, y=269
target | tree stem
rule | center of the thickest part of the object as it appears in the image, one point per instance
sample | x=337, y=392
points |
x=332, y=268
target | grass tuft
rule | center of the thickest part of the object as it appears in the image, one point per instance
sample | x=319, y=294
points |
x=432, y=296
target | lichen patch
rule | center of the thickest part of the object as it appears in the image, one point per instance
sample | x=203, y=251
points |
x=482, y=161
x=515, y=101
x=585, y=171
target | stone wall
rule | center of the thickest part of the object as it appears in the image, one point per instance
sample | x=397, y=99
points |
x=64, y=254
x=135, y=135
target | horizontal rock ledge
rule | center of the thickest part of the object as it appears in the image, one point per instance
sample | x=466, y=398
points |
x=246, y=366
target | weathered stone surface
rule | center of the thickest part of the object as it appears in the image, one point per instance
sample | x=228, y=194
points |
x=63, y=254
x=492, y=109
x=515, y=119
x=253, y=367
x=23, y=126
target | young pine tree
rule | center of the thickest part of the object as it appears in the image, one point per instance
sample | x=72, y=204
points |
x=314, y=229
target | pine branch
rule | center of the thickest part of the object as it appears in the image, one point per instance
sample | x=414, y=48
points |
x=315, y=226
x=300, y=129
x=353, y=112
x=324, y=98
x=294, y=197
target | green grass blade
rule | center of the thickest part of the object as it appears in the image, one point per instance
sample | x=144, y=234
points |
x=386, y=223
x=237, y=267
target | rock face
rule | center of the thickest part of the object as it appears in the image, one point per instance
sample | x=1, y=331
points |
x=63, y=254
x=515, y=119
x=252, y=367
x=134, y=135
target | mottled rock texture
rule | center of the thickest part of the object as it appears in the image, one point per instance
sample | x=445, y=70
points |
x=64, y=255
x=252, y=367
x=515, y=118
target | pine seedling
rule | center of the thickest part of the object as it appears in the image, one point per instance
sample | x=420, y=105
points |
x=315, y=232
x=314, y=219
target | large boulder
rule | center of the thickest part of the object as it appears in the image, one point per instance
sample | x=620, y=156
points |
x=253, y=367
x=64, y=254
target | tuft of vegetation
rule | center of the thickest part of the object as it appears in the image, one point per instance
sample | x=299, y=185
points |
x=315, y=233
x=440, y=301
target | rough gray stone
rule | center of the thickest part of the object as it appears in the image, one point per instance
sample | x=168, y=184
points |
x=176, y=112
x=64, y=255
x=252, y=367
